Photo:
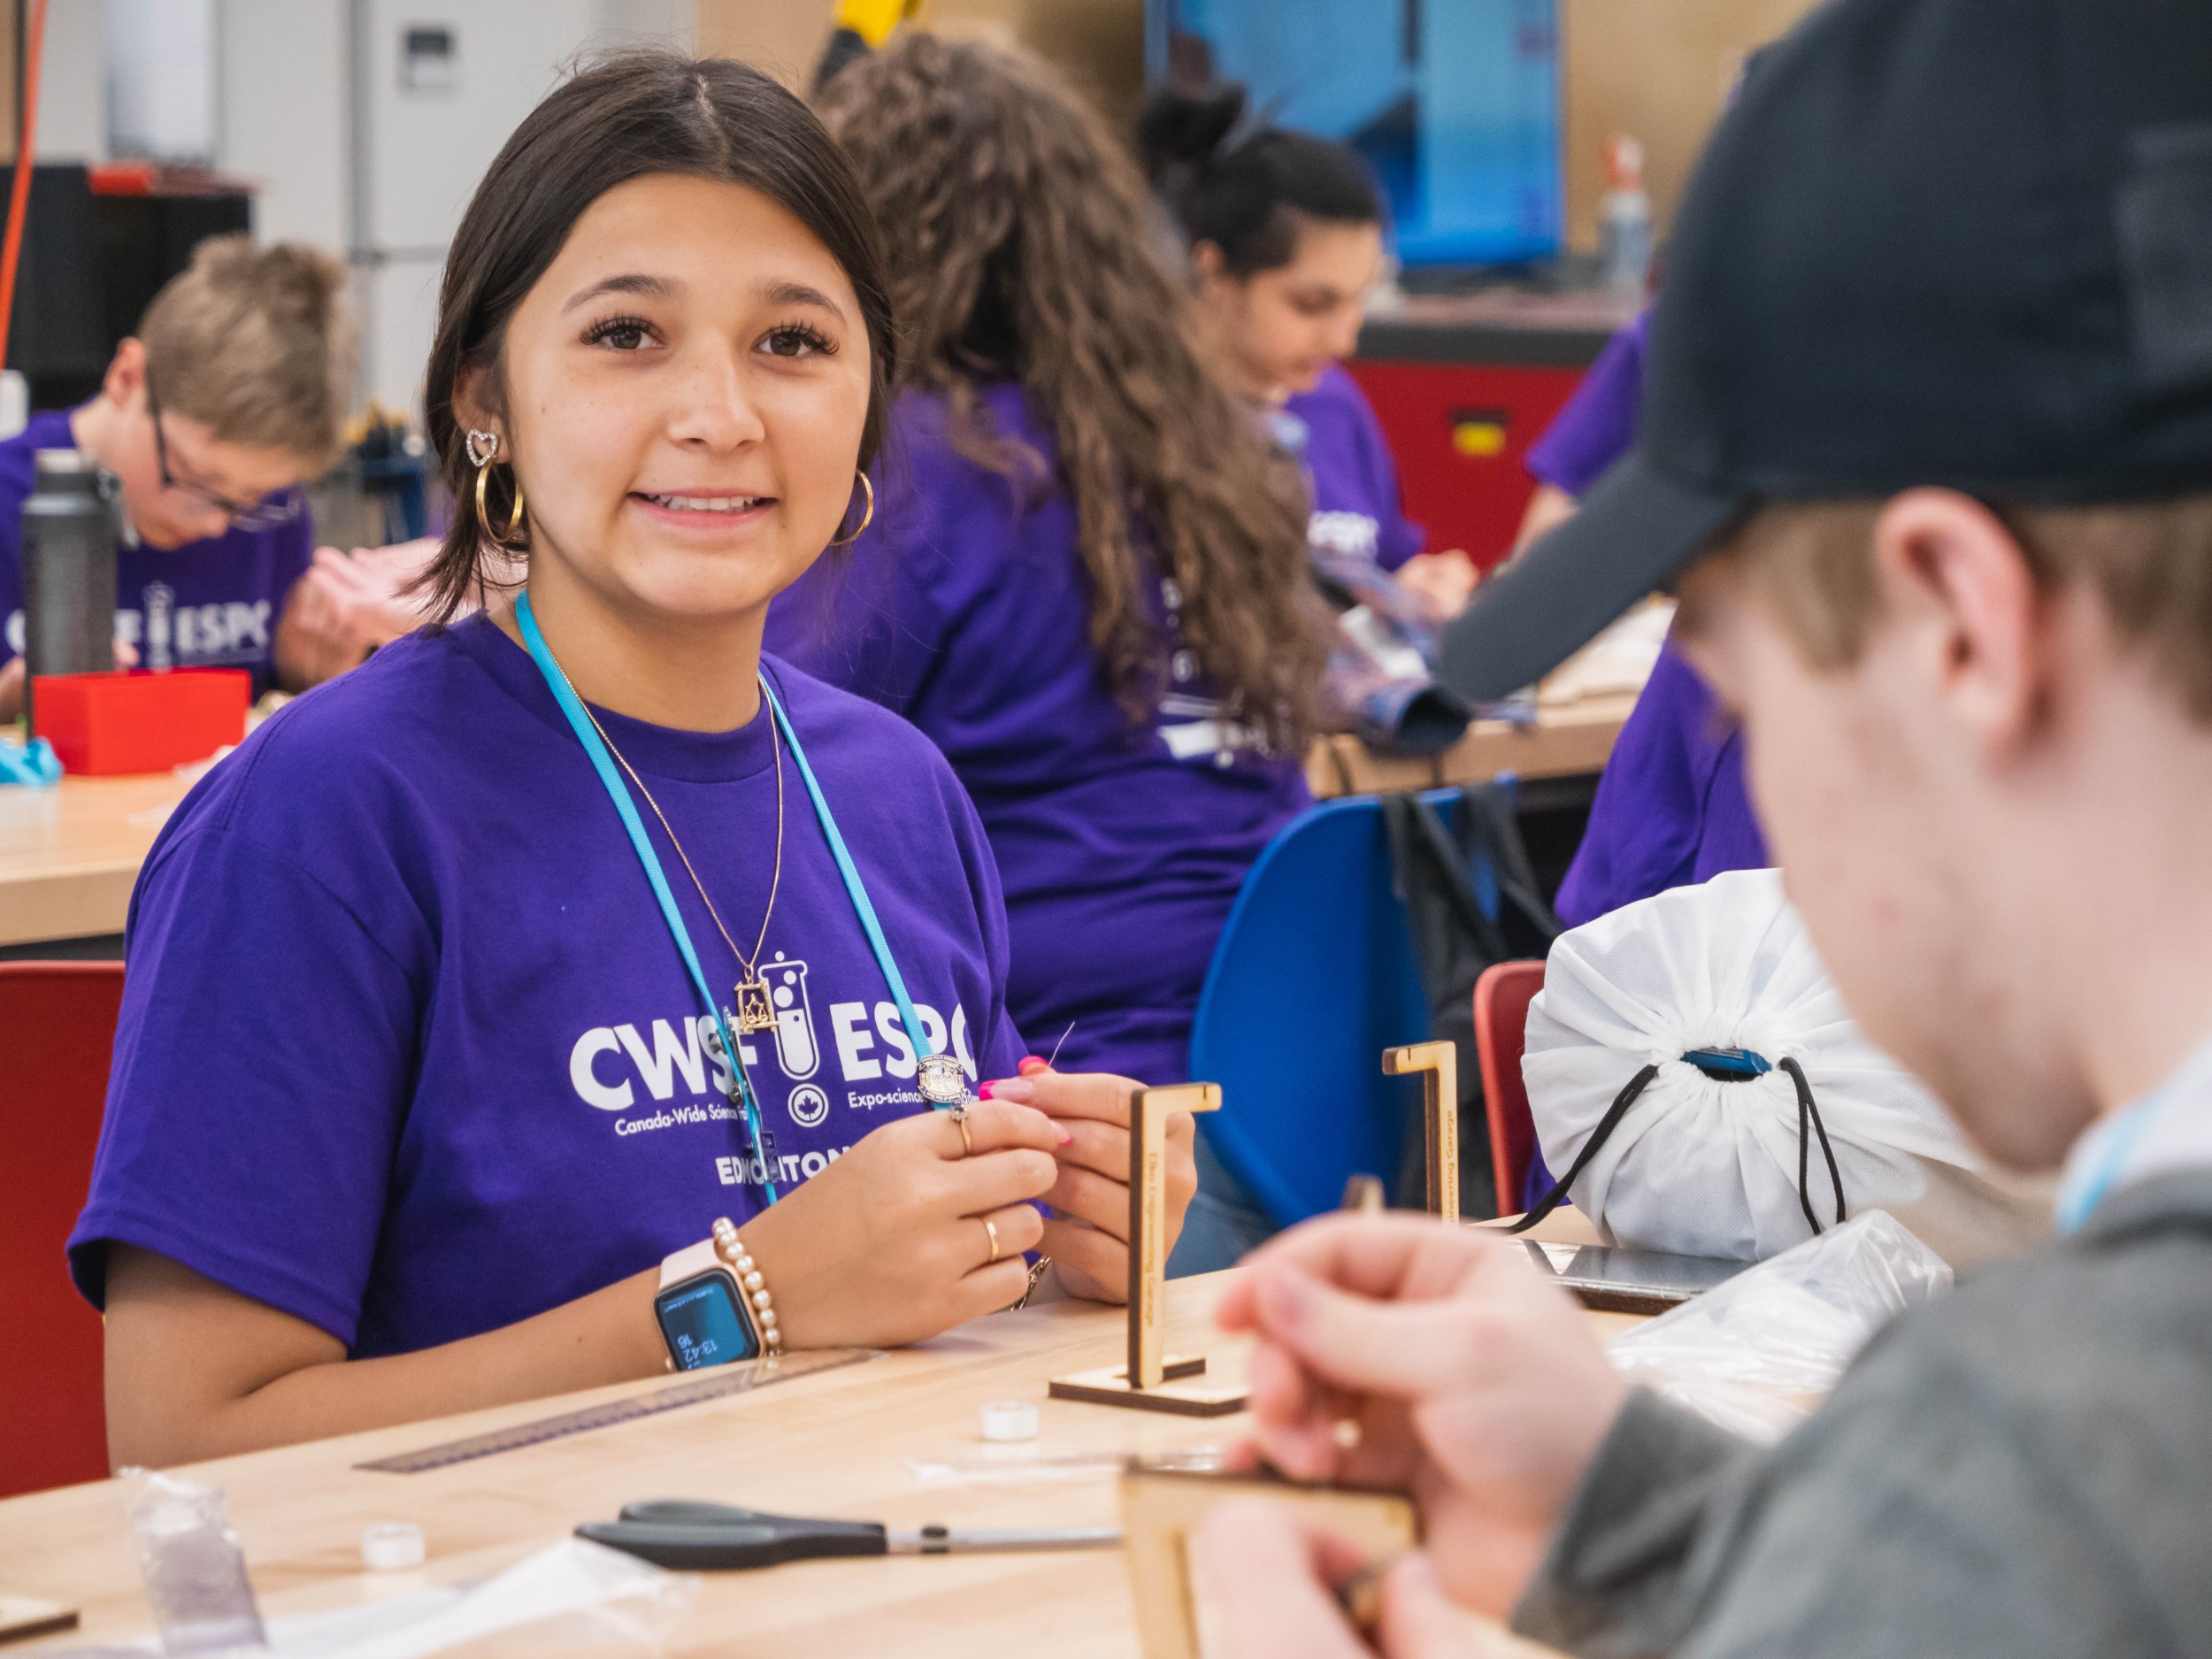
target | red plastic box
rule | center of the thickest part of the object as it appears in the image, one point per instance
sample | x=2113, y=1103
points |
x=139, y=721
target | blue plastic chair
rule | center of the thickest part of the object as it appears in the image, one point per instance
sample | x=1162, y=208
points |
x=1313, y=978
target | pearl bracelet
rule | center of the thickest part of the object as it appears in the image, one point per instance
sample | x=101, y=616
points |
x=732, y=1250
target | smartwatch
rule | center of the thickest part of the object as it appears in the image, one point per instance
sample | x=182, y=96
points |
x=704, y=1318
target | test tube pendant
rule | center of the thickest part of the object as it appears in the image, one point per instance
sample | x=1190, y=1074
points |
x=1438, y=1065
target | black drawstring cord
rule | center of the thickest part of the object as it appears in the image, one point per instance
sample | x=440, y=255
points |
x=1806, y=1108
x=1807, y=1112
x=1621, y=1102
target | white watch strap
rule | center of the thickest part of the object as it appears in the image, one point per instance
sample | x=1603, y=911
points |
x=689, y=1263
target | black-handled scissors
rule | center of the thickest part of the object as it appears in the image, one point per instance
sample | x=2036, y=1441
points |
x=696, y=1537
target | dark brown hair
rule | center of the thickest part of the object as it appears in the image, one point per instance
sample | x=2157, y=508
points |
x=1020, y=248
x=1249, y=193
x=625, y=118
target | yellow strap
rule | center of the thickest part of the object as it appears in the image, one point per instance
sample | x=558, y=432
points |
x=872, y=19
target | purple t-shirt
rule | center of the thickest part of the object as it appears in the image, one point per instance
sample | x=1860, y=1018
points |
x=1121, y=846
x=1671, y=808
x=406, y=1049
x=207, y=604
x=1357, y=506
x=1599, y=422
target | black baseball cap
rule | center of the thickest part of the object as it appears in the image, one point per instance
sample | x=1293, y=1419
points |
x=1955, y=243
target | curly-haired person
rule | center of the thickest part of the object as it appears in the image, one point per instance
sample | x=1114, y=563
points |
x=1085, y=578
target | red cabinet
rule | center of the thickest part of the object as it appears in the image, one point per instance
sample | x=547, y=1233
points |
x=1462, y=387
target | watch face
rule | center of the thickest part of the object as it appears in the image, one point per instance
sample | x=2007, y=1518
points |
x=941, y=1080
x=702, y=1323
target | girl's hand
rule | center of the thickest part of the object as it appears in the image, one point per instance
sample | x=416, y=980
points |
x=1088, y=1237
x=887, y=1245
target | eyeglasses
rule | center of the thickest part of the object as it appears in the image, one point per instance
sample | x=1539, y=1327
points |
x=282, y=506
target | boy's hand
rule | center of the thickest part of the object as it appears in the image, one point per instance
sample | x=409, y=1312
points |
x=1268, y=1582
x=1394, y=1351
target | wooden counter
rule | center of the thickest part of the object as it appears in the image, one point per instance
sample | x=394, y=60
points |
x=1577, y=737
x=70, y=855
x=834, y=1444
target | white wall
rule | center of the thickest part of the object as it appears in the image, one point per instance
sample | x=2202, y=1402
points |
x=161, y=78
x=72, y=102
x=292, y=72
x=282, y=122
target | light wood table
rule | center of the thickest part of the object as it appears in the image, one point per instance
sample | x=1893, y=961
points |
x=69, y=855
x=1565, y=739
x=833, y=1444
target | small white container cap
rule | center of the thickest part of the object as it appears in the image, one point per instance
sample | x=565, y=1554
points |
x=1009, y=1420
x=391, y=1546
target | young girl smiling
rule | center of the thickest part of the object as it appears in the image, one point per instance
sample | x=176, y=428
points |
x=424, y=1065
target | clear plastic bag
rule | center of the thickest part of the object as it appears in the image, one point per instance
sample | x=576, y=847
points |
x=1755, y=1354
x=194, y=1570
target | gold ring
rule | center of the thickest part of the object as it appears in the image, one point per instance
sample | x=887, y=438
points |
x=990, y=1227
x=958, y=1113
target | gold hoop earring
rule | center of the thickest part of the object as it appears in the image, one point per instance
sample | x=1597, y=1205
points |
x=866, y=517
x=483, y=447
x=502, y=538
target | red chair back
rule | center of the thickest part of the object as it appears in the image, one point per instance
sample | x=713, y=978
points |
x=60, y=1021
x=1501, y=999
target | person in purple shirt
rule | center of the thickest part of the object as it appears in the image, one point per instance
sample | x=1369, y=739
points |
x=1116, y=688
x=1671, y=807
x=578, y=945
x=233, y=393
x=1283, y=231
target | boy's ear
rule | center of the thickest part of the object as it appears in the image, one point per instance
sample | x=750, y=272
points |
x=1208, y=260
x=126, y=371
x=1955, y=581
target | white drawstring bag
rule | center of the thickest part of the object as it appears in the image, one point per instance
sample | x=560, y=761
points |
x=1723, y=972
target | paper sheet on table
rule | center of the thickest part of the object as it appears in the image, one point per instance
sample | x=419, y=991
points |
x=628, y=1597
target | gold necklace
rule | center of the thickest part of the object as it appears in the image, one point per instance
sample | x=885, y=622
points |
x=755, y=1008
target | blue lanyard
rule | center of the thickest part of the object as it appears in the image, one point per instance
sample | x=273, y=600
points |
x=572, y=708
x=2078, y=1199
x=853, y=883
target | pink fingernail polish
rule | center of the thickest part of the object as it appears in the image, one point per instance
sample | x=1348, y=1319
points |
x=1030, y=1065
x=984, y=1093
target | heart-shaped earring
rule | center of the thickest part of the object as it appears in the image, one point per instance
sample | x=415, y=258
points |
x=486, y=441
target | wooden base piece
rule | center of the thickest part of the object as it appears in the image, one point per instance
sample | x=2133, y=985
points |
x=1109, y=1386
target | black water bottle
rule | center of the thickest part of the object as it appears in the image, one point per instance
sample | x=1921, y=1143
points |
x=69, y=540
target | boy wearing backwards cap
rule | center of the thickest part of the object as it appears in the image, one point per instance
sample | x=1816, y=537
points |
x=1927, y=450
x=233, y=393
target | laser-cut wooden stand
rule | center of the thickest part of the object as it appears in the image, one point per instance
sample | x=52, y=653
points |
x=1161, y=1508
x=1439, y=1089
x=1152, y=1380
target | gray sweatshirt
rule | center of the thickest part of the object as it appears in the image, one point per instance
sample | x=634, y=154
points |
x=2021, y=1468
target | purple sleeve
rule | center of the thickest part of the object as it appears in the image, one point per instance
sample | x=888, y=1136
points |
x=259, y=1086
x=1398, y=538
x=866, y=618
x=1670, y=808
x=1599, y=423
x=295, y=552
